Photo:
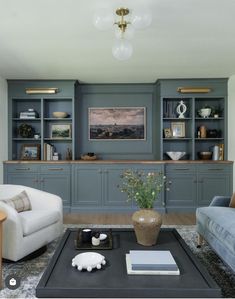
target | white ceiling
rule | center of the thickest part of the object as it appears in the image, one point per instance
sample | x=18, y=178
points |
x=56, y=39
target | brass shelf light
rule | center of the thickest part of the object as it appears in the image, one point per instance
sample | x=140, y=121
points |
x=41, y=90
x=194, y=89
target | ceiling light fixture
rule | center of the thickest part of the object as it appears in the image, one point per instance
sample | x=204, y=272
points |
x=126, y=24
x=36, y=90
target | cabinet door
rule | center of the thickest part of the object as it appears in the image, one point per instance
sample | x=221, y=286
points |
x=182, y=192
x=25, y=179
x=210, y=185
x=182, y=182
x=56, y=179
x=213, y=179
x=87, y=185
x=113, y=195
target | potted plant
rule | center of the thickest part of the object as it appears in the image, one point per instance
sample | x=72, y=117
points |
x=144, y=188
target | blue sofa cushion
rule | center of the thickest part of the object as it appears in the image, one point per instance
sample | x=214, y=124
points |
x=220, y=221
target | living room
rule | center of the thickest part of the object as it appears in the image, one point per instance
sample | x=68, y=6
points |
x=55, y=44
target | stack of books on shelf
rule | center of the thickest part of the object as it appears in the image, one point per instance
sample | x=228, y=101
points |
x=151, y=262
x=48, y=151
x=30, y=114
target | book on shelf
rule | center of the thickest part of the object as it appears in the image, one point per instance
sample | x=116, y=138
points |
x=161, y=260
x=148, y=272
x=48, y=151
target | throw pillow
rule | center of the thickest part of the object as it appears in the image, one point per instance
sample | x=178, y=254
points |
x=232, y=201
x=20, y=202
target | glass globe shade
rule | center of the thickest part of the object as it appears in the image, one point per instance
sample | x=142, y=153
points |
x=128, y=34
x=141, y=18
x=122, y=49
x=103, y=19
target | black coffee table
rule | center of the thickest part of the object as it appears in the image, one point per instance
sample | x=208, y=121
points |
x=62, y=280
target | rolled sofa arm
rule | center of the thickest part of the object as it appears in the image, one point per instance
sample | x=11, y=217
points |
x=220, y=201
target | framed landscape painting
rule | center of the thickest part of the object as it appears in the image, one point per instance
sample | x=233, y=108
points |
x=117, y=123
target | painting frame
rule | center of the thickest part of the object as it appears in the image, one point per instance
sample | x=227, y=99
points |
x=178, y=129
x=61, y=131
x=117, y=123
x=167, y=133
x=30, y=151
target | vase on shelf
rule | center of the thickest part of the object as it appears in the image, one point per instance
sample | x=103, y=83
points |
x=147, y=224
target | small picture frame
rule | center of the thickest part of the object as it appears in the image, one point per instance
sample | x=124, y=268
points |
x=30, y=152
x=178, y=129
x=61, y=131
x=167, y=133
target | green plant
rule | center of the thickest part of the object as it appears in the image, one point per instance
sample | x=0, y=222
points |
x=142, y=187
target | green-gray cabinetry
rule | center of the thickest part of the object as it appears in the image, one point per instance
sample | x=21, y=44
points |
x=194, y=185
x=182, y=193
x=54, y=178
x=95, y=186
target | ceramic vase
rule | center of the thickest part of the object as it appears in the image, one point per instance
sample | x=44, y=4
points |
x=147, y=224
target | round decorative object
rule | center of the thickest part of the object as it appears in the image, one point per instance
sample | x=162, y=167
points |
x=59, y=114
x=88, y=261
x=147, y=224
x=26, y=131
x=88, y=158
x=181, y=109
x=205, y=112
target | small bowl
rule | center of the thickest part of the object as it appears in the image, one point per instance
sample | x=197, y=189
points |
x=59, y=114
x=176, y=155
x=205, y=112
x=205, y=155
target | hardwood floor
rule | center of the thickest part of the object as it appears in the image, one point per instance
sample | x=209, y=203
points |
x=111, y=218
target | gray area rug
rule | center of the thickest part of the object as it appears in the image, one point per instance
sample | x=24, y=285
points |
x=31, y=271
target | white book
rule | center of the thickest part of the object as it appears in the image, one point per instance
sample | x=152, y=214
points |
x=148, y=272
x=152, y=260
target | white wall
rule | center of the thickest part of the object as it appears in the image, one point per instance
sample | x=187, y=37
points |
x=231, y=123
x=3, y=125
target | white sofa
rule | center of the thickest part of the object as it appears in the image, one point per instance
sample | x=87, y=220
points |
x=25, y=232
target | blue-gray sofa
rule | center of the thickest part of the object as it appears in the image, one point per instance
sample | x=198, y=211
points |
x=216, y=225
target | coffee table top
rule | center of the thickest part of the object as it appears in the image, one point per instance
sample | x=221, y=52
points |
x=62, y=280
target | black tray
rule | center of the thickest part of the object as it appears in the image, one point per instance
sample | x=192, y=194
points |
x=106, y=244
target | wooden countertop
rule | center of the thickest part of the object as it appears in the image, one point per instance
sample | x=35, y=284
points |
x=118, y=162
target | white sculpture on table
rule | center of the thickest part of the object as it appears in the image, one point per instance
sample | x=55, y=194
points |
x=181, y=109
x=88, y=261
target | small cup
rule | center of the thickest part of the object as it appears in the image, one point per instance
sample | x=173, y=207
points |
x=95, y=241
x=86, y=235
x=36, y=136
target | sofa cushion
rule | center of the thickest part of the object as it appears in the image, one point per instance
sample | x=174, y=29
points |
x=19, y=202
x=232, y=201
x=220, y=221
x=33, y=221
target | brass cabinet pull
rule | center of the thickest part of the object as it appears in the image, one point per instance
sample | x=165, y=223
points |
x=22, y=168
x=55, y=168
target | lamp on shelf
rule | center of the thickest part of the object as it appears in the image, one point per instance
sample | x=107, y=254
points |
x=39, y=90
x=126, y=24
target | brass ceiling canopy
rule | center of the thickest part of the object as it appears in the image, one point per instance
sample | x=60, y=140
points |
x=194, y=89
x=41, y=90
x=122, y=24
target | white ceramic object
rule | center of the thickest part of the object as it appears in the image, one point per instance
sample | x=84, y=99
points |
x=88, y=261
x=59, y=114
x=103, y=237
x=205, y=112
x=175, y=155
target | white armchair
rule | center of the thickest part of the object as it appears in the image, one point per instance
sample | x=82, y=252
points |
x=25, y=232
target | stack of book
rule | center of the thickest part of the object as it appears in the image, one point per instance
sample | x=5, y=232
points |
x=48, y=151
x=151, y=262
x=30, y=114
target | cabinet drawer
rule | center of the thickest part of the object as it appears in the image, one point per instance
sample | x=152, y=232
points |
x=214, y=168
x=55, y=168
x=180, y=168
x=22, y=168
